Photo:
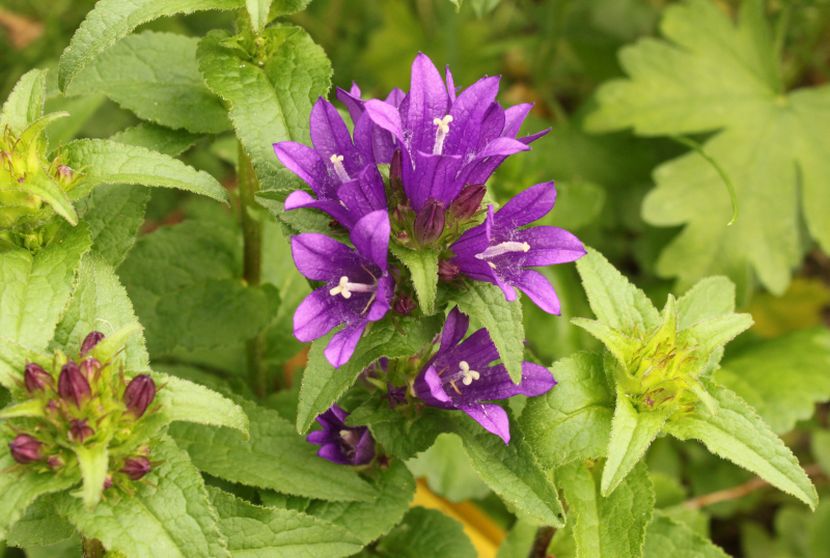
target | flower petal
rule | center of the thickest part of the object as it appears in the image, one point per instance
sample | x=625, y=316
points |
x=383, y=296
x=363, y=194
x=386, y=116
x=370, y=236
x=514, y=117
x=318, y=437
x=333, y=453
x=342, y=345
x=300, y=199
x=330, y=136
x=429, y=388
x=492, y=417
x=321, y=258
x=316, y=315
x=537, y=287
x=455, y=328
x=526, y=207
x=451, y=89
x=307, y=164
x=427, y=100
x=351, y=99
x=550, y=245
x=468, y=112
x=434, y=178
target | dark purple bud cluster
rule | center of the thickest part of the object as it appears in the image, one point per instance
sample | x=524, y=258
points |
x=86, y=399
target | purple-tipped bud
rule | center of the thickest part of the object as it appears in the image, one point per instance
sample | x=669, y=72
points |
x=92, y=339
x=55, y=462
x=25, y=449
x=448, y=271
x=136, y=467
x=90, y=367
x=468, y=201
x=37, y=379
x=429, y=222
x=79, y=431
x=72, y=386
x=404, y=305
x=139, y=394
x=108, y=482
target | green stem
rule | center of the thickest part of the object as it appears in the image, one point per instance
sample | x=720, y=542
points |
x=92, y=548
x=252, y=262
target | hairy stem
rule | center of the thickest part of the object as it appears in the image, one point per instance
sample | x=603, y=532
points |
x=92, y=548
x=541, y=542
x=252, y=262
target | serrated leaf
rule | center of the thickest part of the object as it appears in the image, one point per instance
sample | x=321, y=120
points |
x=110, y=20
x=323, y=384
x=738, y=434
x=185, y=401
x=783, y=378
x=426, y=532
x=710, y=74
x=270, y=102
x=273, y=457
x=513, y=473
x=573, y=420
x=158, y=138
x=447, y=469
x=110, y=162
x=709, y=298
x=259, y=531
x=485, y=303
x=25, y=103
x=20, y=488
x=423, y=270
x=614, y=300
x=50, y=192
x=35, y=288
x=632, y=433
x=113, y=216
x=281, y=8
x=258, y=12
x=155, y=75
x=170, y=515
x=612, y=527
x=667, y=537
x=39, y=526
x=369, y=520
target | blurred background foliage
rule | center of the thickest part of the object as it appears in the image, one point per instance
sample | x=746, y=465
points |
x=554, y=53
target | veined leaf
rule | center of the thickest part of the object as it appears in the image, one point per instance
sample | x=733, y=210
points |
x=667, y=537
x=273, y=457
x=485, y=303
x=323, y=384
x=94, y=463
x=710, y=74
x=269, y=98
x=426, y=532
x=170, y=515
x=185, y=401
x=738, y=434
x=258, y=12
x=35, y=289
x=109, y=162
x=156, y=76
x=259, y=531
x=110, y=20
x=39, y=526
x=25, y=103
x=423, y=268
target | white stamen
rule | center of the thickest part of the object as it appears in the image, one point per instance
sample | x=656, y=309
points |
x=345, y=288
x=339, y=169
x=467, y=375
x=503, y=248
x=441, y=133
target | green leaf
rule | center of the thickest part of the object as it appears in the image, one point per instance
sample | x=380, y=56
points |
x=25, y=103
x=20, y=488
x=113, y=216
x=369, y=520
x=158, y=138
x=185, y=401
x=94, y=464
x=612, y=527
x=712, y=75
x=738, y=434
x=486, y=304
x=13, y=359
x=170, y=514
x=259, y=531
x=423, y=269
x=323, y=384
x=614, y=300
x=269, y=96
x=110, y=20
x=573, y=420
x=667, y=537
x=35, y=289
x=513, y=473
x=39, y=526
x=632, y=433
x=447, y=469
x=100, y=303
x=286, y=7
x=109, y=162
x=783, y=378
x=46, y=188
x=426, y=532
x=709, y=298
x=155, y=75
x=258, y=12
x=274, y=457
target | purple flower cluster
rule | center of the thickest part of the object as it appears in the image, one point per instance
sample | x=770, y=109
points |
x=413, y=172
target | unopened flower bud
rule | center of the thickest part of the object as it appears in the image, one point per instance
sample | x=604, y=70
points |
x=25, y=449
x=108, y=482
x=36, y=378
x=90, y=367
x=448, y=271
x=55, y=462
x=468, y=201
x=72, y=386
x=65, y=172
x=139, y=394
x=404, y=305
x=79, y=431
x=92, y=339
x=429, y=222
x=136, y=467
